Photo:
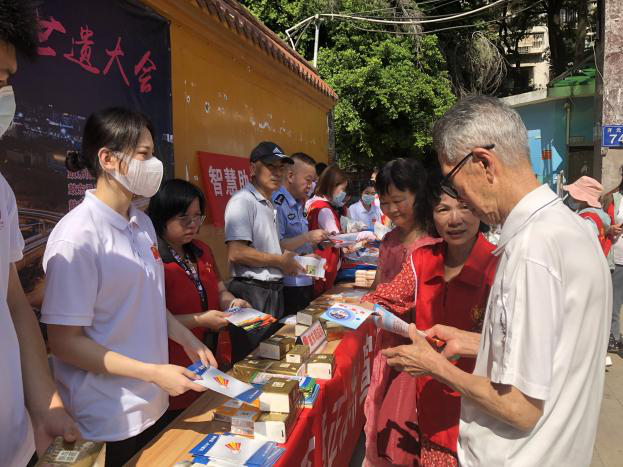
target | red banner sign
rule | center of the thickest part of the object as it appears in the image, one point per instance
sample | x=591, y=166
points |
x=222, y=177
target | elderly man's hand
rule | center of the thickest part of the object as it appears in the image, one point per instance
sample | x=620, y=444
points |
x=417, y=359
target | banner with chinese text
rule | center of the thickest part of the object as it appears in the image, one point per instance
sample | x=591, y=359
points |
x=222, y=176
x=92, y=55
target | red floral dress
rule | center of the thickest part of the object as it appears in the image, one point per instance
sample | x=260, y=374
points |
x=417, y=423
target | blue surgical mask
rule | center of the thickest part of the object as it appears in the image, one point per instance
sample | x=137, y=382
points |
x=338, y=199
x=367, y=199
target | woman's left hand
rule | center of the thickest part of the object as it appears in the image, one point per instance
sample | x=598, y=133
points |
x=417, y=358
x=239, y=303
x=197, y=350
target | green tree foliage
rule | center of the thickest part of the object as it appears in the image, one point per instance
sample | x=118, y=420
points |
x=392, y=87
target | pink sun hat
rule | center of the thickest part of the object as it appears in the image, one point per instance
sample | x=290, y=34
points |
x=586, y=189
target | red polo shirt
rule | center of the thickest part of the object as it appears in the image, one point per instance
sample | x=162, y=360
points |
x=183, y=297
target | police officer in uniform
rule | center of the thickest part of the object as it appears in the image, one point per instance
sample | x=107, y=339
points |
x=292, y=227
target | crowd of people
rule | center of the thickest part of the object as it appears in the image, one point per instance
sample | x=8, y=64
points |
x=132, y=298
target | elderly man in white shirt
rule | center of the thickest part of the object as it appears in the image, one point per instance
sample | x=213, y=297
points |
x=535, y=394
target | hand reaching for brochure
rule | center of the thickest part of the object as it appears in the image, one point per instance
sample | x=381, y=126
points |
x=197, y=350
x=417, y=358
x=239, y=303
x=175, y=380
x=289, y=266
x=213, y=319
x=317, y=236
x=458, y=342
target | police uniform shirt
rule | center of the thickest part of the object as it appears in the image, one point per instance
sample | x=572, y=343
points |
x=291, y=222
x=249, y=217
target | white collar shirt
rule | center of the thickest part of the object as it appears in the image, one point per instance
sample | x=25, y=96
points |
x=545, y=333
x=104, y=273
x=359, y=213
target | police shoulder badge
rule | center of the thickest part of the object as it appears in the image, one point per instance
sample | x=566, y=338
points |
x=279, y=199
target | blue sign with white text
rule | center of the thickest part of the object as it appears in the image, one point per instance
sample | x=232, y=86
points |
x=612, y=136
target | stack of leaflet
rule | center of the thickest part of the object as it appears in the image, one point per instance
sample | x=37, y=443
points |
x=249, y=319
x=310, y=391
x=228, y=450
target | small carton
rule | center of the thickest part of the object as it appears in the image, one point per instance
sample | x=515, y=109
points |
x=287, y=369
x=63, y=454
x=299, y=329
x=280, y=395
x=305, y=317
x=246, y=368
x=321, y=366
x=298, y=354
x=275, y=426
x=276, y=347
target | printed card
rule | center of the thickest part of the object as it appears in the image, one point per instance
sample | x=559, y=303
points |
x=223, y=383
x=344, y=314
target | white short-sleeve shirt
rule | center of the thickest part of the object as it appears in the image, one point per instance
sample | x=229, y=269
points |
x=358, y=212
x=104, y=273
x=545, y=333
x=16, y=437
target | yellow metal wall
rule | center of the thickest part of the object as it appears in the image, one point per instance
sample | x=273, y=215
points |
x=228, y=95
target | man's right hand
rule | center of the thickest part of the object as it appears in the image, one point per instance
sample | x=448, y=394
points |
x=174, y=379
x=458, y=342
x=317, y=236
x=213, y=319
x=289, y=266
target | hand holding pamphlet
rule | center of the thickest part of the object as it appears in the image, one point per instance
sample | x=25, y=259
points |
x=223, y=383
x=248, y=318
x=314, y=267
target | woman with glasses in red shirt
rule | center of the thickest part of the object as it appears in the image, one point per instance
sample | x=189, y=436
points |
x=194, y=290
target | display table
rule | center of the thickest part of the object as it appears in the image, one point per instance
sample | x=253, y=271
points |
x=325, y=435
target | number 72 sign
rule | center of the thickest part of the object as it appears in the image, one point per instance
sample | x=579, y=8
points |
x=612, y=136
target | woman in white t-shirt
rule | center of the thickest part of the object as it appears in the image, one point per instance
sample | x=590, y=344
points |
x=365, y=210
x=104, y=297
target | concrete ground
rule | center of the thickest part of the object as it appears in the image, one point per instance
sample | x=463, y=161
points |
x=608, y=450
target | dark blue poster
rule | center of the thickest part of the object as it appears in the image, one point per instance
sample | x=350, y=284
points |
x=92, y=54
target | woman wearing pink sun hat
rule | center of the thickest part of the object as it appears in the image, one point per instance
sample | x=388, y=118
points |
x=583, y=198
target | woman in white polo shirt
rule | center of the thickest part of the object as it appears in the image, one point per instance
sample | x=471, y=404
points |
x=104, y=294
x=365, y=210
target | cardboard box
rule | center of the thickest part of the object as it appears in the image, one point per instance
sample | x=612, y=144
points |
x=275, y=426
x=63, y=454
x=299, y=329
x=276, y=347
x=246, y=368
x=298, y=354
x=321, y=366
x=288, y=369
x=280, y=395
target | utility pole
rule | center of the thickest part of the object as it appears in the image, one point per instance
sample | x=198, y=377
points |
x=316, y=40
x=608, y=91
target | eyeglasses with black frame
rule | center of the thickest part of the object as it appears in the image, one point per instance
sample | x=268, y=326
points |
x=446, y=182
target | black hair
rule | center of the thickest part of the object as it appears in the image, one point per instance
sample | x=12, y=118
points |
x=172, y=199
x=18, y=25
x=408, y=175
x=320, y=166
x=367, y=184
x=434, y=197
x=304, y=158
x=115, y=128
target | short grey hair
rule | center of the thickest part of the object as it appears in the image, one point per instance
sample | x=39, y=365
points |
x=477, y=121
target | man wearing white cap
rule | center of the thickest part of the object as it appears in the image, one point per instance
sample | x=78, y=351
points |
x=583, y=198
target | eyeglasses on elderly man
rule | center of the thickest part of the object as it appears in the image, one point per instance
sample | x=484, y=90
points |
x=446, y=182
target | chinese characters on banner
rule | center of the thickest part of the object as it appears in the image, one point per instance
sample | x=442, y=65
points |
x=222, y=177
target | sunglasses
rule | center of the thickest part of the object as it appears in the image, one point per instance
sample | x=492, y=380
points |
x=446, y=182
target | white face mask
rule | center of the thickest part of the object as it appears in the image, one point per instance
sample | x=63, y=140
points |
x=7, y=108
x=143, y=177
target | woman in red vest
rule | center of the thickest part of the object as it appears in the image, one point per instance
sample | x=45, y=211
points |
x=194, y=290
x=323, y=212
x=445, y=283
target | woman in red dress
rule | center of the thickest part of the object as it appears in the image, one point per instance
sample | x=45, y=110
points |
x=194, y=290
x=446, y=283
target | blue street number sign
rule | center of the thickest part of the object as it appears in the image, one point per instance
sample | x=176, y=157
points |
x=612, y=136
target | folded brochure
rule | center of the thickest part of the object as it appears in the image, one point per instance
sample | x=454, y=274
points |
x=236, y=450
x=314, y=267
x=223, y=383
x=248, y=318
x=345, y=314
x=343, y=240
